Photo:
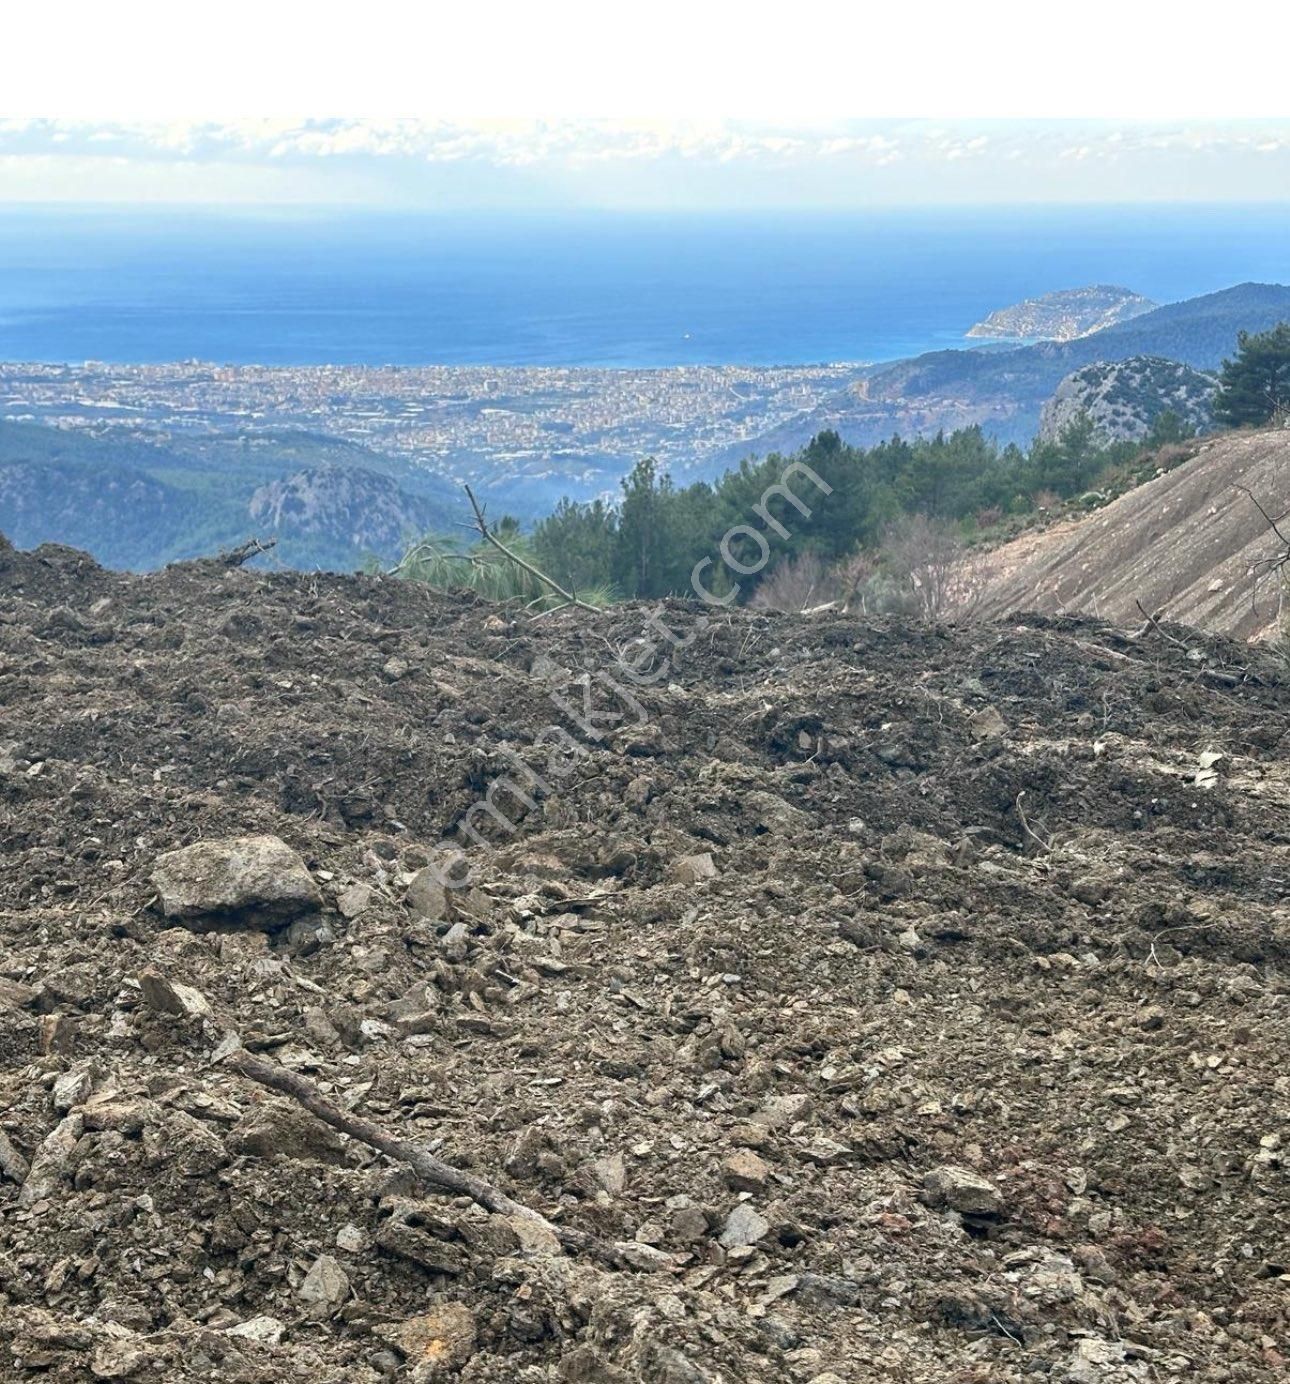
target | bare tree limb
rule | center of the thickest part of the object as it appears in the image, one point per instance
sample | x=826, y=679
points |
x=490, y=537
x=1276, y=563
x=431, y=1170
x=1271, y=522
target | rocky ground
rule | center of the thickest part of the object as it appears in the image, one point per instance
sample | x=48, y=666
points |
x=902, y=1003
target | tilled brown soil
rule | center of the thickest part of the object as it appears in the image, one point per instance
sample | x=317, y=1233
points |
x=976, y=903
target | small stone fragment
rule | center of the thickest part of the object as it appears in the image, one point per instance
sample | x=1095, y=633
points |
x=354, y=900
x=436, y=1343
x=326, y=1286
x=961, y=1190
x=825, y=1153
x=71, y=1088
x=170, y=997
x=781, y=1111
x=426, y=897
x=691, y=869
x=49, y=1162
x=745, y=1225
x=265, y=1331
x=611, y=1173
x=644, y=1258
x=688, y=1223
x=744, y=1171
x=352, y=1239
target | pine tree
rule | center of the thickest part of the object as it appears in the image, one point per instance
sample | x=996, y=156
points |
x=1254, y=389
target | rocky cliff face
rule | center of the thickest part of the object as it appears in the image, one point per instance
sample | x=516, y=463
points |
x=1125, y=398
x=1065, y=315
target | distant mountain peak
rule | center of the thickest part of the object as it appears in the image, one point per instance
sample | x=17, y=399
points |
x=1064, y=315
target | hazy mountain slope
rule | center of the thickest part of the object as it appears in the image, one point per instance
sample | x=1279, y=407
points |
x=139, y=503
x=1182, y=545
x=118, y=512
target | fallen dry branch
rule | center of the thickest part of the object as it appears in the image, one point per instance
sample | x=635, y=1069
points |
x=1154, y=623
x=244, y=552
x=431, y=1170
x=490, y=537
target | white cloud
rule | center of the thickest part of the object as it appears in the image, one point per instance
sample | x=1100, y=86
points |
x=640, y=161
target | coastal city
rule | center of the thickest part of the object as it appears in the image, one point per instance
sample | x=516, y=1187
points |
x=575, y=424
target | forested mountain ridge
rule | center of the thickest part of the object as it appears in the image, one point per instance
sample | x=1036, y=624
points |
x=1004, y=391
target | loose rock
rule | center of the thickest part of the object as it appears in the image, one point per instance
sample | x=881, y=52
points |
x=239, y=878
x=962, y=1190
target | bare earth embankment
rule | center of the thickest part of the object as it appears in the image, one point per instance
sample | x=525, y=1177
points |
x=903, y=1004
x=1183, y=545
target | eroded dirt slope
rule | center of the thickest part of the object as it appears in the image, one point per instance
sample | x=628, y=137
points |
x=965, y=1061
x=1184, y=545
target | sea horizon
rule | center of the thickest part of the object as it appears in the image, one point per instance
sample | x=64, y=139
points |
x=308, y=286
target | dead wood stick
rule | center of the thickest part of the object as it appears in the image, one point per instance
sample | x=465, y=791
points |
x=427, y=1167
x=1155, y=625
x=490, y=537
x=253, y=547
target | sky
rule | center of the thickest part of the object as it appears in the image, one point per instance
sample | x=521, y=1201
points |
x=715, y=164
x=695, y=104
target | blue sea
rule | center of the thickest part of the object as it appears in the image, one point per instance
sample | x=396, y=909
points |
x=587, y=288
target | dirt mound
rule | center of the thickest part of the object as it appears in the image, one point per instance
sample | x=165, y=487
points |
x=903, y=1003
x=1182, y=544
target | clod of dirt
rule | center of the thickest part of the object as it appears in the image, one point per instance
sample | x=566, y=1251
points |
x=437, y=1343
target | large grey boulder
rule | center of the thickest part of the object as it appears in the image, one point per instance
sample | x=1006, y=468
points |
x=255, y=879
